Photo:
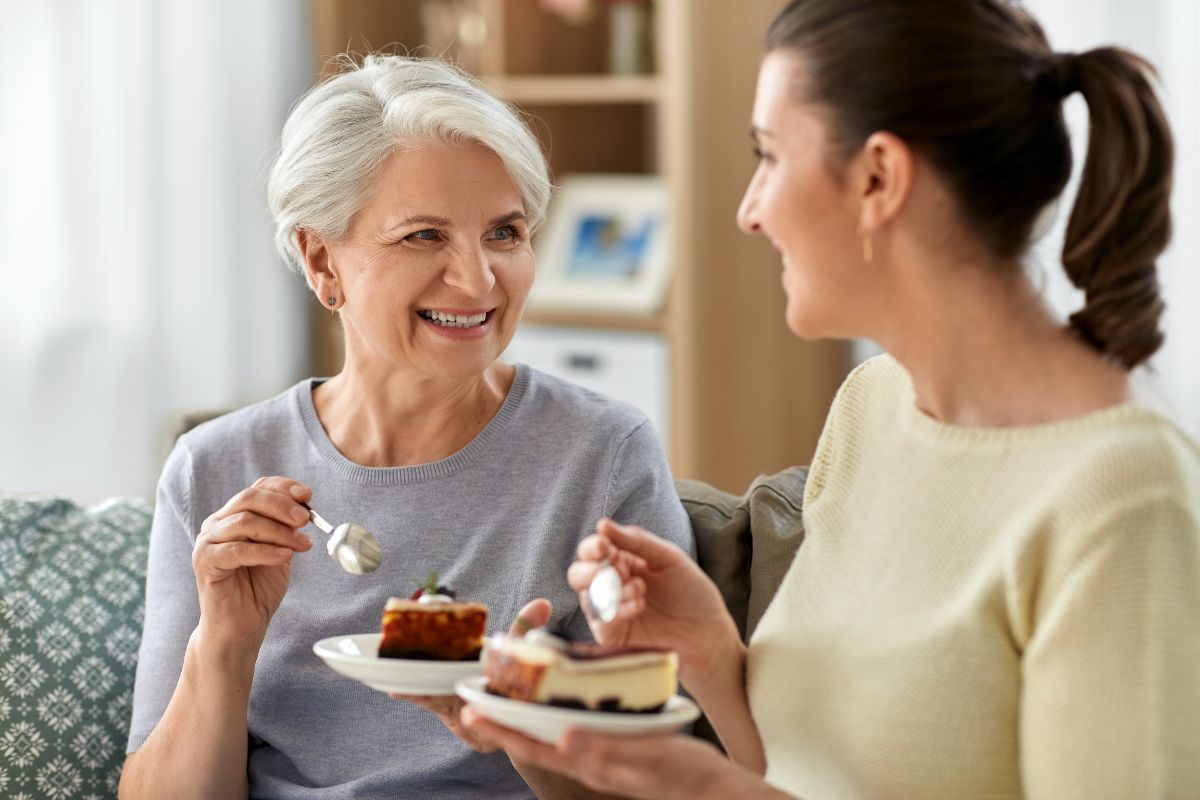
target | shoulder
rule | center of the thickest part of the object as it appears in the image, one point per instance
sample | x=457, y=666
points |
x=1119, y=512
x=1113, y=486
x=552, y=401
x=1132, y=455
x=876, y=381
x=246, y=428
x=872, y=391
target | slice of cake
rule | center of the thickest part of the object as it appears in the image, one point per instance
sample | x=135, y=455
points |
x=431, y=625
x=541, y=668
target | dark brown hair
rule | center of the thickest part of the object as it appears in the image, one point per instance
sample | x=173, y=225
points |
x=974, y=87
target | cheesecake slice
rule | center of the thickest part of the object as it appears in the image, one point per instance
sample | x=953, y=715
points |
x=432, y=626
x=541, y=668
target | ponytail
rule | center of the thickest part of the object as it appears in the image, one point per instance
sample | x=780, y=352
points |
x=1121, y=221
x=979, y=95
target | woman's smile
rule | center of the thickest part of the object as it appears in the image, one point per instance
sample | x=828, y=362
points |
x=458, y=323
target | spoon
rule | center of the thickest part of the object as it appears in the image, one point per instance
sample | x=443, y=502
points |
x=604, y=592
x=351, y=545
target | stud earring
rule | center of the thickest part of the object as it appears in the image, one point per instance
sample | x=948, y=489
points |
x=332, y=300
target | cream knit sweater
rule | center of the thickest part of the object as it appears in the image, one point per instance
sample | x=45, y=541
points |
x=986, y=613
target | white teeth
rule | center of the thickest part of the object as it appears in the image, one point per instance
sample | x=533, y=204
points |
x=454, y=320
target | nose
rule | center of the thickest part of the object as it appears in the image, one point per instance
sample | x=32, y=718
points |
x=471, y=273
x=747, y=213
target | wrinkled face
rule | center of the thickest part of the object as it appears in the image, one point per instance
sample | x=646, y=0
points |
x=435, y=269
x=794, y=199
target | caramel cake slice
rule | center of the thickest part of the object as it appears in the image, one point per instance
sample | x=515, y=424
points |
x=542, y=668
x=431, y=625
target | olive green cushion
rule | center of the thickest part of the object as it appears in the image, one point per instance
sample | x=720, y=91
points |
x=71, y=607
x=746, y=543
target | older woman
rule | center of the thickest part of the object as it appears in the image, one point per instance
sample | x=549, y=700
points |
x=406, y=195
x=999, y=591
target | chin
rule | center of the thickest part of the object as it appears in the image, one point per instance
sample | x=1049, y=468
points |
x=805, y=327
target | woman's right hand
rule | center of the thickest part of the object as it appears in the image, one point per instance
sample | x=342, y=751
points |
x=666, y=601
x=243, y=561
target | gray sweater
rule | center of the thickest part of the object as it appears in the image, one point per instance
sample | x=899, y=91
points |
x=499, y=521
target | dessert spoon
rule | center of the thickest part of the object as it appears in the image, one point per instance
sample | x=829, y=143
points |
x=351, y=545
x=604, y=592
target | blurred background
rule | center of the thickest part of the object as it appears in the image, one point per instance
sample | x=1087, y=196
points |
x=142, y=292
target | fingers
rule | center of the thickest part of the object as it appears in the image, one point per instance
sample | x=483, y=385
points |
x=518, y=746
x=631, y=605
x=257, y=527
x=591, y=555
x=249, y=526
x=275, y=497
x=628, y=546
x=628, y=767
x=232, y=555
x=447, y=705
x=269, y=512
x=535, y=614
x=653, y=551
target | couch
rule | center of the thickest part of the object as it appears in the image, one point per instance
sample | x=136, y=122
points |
x=72, y=600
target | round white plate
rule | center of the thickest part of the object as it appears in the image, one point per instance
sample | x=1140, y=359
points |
x=357, y=657
x=546, y=723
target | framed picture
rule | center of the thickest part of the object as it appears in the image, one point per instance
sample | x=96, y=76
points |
x=604, y=247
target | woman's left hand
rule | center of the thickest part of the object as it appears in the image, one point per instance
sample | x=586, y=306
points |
x=535, y=614
x=653, y=767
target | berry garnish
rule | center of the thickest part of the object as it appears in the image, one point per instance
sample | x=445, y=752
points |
x=430, y=586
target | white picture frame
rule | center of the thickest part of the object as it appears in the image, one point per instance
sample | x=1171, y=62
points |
x=605, y=247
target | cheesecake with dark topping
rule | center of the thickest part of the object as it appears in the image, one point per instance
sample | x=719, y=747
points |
x=541, y=668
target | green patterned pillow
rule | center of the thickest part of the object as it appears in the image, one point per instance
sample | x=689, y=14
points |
x=72, y=583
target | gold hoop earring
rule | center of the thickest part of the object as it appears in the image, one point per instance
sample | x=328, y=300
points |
x=868, y=248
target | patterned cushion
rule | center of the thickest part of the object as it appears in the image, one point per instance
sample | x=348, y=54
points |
x=72, y=583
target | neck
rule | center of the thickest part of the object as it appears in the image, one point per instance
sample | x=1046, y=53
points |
x=984, y=351
x=393, y=419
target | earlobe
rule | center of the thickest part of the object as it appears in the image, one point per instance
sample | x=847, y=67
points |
x=318, y=268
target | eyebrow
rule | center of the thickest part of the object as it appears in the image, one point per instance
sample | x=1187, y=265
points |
x=511, y=216
x=420, y=219
x=425, y=219
x=756, y=132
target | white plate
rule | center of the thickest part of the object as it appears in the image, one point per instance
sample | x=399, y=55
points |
x=546, y=723
x=358, y=657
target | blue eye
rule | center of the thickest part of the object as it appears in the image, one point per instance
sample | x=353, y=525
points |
x=505, y=233
x=426, y=235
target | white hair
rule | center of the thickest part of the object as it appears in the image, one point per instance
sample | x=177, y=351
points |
x=345, y=127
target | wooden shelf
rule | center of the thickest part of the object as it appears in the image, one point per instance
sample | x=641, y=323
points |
x=622, y=322
x=577, y=89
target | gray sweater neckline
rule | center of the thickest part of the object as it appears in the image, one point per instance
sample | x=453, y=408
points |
x=417, y=473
